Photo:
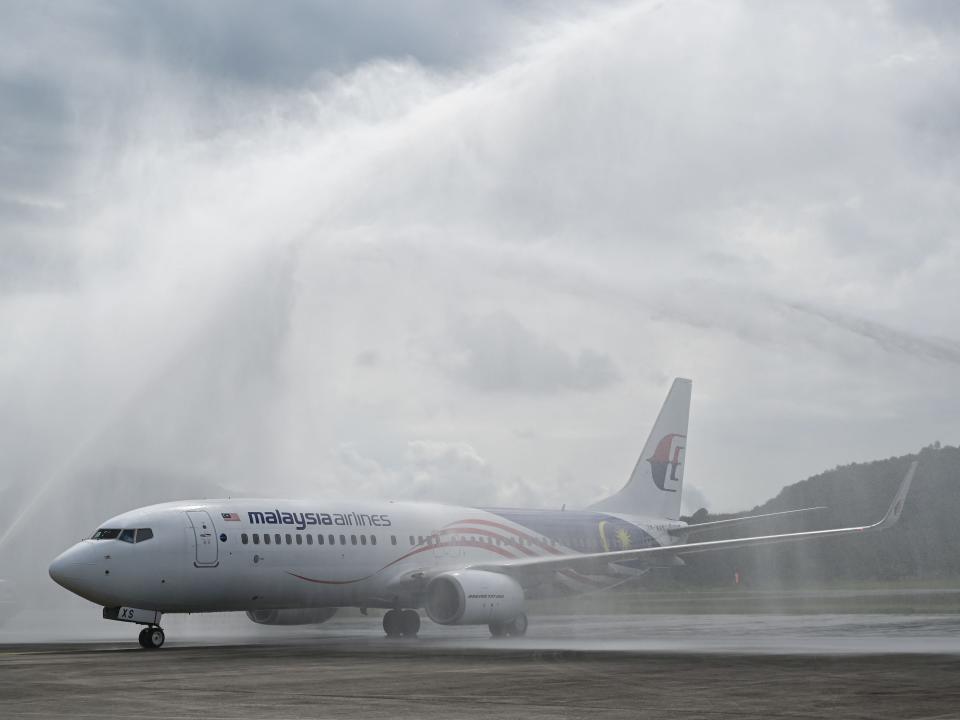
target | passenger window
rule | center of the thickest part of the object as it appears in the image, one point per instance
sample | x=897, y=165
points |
x=363, y=539
x=256, y=539
x=393, y=539
x=266, y=538
x=420, y=539
x=277, y=538
x=412, y=540
x=353, y=539
x=144, y=534
x=373, y=539
x=343, y=539
x=289, y=539
x=309, y=539
x=319, y=539
x=243, y=538
x=332, y=539
x=299, y=539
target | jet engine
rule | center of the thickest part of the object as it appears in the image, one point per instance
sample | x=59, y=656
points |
x=473, y=597
x=298, y=616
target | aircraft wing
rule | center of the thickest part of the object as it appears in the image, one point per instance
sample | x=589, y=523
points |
x=714, y=524
x=597, y=562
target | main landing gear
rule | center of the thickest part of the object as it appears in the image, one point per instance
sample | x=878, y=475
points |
x=515, y=628
x=151, y=637
x=401, y=623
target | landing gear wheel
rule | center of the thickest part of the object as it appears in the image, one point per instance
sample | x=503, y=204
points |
x=497, y=630
x=151, y=638
x=518, y=626
x=409, y=623
x=392, y=623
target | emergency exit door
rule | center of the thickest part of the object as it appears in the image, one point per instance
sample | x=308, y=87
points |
x=206, y=537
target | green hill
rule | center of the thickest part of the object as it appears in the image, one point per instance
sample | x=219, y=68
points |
x=923, y=546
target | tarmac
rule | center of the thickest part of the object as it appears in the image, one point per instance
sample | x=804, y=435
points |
x=408, y=679
x=627, y=666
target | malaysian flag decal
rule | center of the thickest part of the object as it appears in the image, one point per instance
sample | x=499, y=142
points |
x=230, y=516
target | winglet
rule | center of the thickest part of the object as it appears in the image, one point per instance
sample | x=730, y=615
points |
x=896, y=506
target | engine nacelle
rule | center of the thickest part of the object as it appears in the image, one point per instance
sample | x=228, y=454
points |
x=298, y=616
x=473, y=597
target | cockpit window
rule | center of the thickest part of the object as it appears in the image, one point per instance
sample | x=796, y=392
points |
x=105, y=534
x=130, y=535
x=144, y=534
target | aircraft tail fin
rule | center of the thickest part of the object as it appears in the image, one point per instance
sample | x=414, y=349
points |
x=656, y=484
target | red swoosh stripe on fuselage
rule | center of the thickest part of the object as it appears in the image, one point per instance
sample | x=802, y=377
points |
x=520, y=533
x=572, y=574
x=461, y=527
x=486, y=546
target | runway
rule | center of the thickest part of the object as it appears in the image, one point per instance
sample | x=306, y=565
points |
x=423, y=680
x=678, y=666
x=752, y=633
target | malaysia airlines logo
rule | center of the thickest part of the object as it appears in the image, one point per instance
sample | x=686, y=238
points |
x=668, y=454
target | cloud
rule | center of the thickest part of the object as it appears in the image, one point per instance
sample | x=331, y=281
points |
x=431, y=470
x=693, y=499
x=368, y=358
x=77, y=80
x=496, y=353
x=888, y=338
x=348, y=262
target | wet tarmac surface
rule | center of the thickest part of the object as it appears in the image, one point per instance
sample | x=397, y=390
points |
x=334, y=679
x=677, y=666
x=767, y=633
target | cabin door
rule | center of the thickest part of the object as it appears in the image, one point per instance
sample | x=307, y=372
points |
x=206, y=537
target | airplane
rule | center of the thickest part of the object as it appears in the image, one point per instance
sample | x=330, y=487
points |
x=290, y=562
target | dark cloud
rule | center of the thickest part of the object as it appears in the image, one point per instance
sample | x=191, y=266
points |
x=497, y=353
x=367, y=358
x=74, y=73
x=935, y=14
x=886, y=337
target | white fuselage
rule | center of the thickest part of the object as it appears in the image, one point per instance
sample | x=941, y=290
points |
x=223, y=555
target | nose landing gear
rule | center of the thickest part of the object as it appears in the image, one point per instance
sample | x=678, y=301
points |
x=401, y=623
x=151, y=637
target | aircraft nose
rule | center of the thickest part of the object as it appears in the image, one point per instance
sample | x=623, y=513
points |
x=66, y=568
x=58, y=569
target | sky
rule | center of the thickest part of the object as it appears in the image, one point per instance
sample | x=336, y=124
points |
x=459, y=251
